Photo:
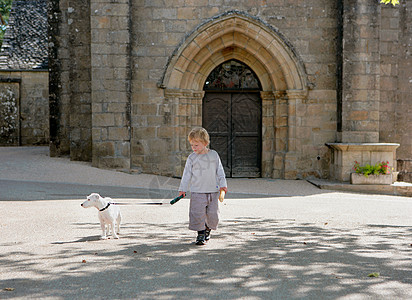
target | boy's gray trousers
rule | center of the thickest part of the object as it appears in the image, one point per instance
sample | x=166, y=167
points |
x=204, y=209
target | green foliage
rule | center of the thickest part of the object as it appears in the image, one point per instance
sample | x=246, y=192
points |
x=379, y=168
x=394, y=2
x=5, y=7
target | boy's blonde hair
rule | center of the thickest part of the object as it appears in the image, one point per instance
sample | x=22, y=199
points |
x=199, y=134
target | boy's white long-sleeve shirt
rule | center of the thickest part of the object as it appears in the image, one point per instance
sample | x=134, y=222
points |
x=204, y=173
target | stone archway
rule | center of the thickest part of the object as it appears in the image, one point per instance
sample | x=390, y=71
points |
x=236, y=35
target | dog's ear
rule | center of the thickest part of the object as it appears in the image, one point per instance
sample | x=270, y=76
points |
x=94, y=196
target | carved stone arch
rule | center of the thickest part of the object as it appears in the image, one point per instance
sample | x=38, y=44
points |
x=235, y=35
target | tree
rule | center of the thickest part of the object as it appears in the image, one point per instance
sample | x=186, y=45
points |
x=394, y=2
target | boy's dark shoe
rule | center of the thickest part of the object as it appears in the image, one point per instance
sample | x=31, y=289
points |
x=200, y=240
x=207, y=234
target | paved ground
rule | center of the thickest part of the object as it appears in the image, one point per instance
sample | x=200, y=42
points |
x=277, y=239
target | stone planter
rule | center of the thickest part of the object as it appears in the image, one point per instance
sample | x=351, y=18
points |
x=356, y=178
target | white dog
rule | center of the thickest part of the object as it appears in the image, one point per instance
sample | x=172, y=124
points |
x=109, y=214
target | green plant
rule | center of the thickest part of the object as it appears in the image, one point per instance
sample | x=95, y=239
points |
x=5, y=7
x=394, y=2
x=378, y=169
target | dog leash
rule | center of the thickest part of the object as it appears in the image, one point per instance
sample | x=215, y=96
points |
x=139, y=203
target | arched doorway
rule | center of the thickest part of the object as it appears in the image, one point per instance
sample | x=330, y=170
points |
x=281, y=73
x=232, y=114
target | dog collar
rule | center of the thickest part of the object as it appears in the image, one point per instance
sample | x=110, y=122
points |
x=108, y=204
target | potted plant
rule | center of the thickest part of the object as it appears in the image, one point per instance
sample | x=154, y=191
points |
x=371, y=174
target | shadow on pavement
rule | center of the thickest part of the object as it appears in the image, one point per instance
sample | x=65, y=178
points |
x=13, y=190
x=248, y=257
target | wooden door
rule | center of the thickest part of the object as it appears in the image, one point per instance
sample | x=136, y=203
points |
x=234, y=122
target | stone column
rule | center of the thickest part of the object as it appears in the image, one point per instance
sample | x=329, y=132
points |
x=78, y=20
x=268, y=133
x=58, y=75
x=69, y=79
x=187, y=108
x=281, y=133
x=359, y=136
x=295, y=98
x=111, y=78
x=360, y=82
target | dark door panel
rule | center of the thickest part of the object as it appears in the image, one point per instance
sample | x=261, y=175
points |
x=216, y=120
x=246, y=134
x=234, y=122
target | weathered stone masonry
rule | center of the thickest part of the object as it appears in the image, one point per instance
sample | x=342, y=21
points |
x=148, y=61
x=111, y=73
x=24, y=77
x=70, y=79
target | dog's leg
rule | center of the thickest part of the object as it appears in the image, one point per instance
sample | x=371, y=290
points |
x=103, y=227
x=104, y=231
x=113, y=225
x=119, y=219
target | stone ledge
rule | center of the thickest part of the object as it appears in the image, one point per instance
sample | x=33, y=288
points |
x=395, y=189
x=371, y=179
x=345, y=155
x=364, y=146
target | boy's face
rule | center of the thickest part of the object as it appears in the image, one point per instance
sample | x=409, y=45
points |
x=198, y=147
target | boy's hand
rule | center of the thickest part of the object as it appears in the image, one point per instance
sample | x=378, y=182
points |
x=223, y=191
x=182, y=193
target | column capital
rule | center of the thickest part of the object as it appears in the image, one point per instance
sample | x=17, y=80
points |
x=179, y=93
x=267, y=95
x=297, y=94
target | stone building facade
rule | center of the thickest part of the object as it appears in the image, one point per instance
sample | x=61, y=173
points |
x=129, y=80
x=24, y=76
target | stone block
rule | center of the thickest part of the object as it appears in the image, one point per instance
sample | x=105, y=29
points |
x=140, y=133
x=102, y=120
x=188, y=13
x=118, y=133
x=165, y=132
x=122, y=149
x=120, y=8
x=164, y=13
x=208, y=12
x=111, y=163
x=116, y=108
x=104, y=149
x=358, y=115
x=155, y=120
x=120, y=119
x=371, y=179
x=388, y=35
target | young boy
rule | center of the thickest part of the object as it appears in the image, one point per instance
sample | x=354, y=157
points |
x=206, y=177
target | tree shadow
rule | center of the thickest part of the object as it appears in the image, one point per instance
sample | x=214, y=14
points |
x=245, y=258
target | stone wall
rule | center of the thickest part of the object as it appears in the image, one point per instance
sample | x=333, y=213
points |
x=28, y=90
x=395, y=83
x=111, y=73
x=329, y=70
x=360, y=82
x=70, y=79
x=159, y=29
